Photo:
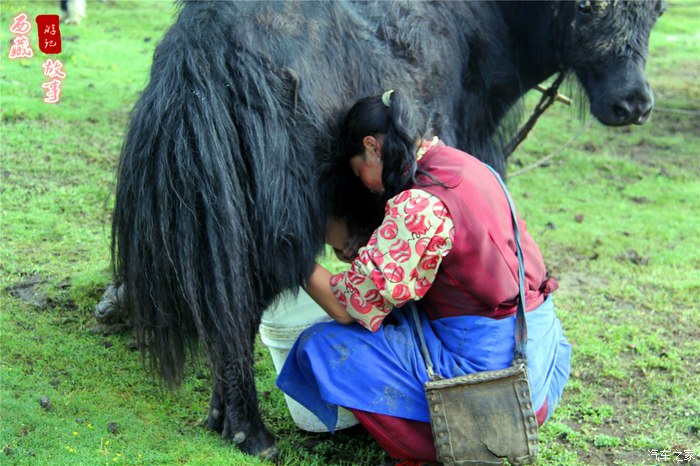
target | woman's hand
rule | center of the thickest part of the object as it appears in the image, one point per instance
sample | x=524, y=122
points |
x=319, y=288
x=338, y=238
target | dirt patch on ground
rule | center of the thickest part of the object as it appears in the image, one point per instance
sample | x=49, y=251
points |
x=31, y=290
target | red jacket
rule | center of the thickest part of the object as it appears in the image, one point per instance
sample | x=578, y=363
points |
x=480, y=274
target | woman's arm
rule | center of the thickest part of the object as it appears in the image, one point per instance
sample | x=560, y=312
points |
x=400, y=260
x=319, y=288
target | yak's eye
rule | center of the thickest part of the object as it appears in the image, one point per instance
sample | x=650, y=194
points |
x=585, y=7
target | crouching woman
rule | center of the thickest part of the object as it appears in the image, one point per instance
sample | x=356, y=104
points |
x=446, y=242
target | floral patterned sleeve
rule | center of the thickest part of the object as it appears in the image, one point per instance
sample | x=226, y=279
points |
x=400, y=260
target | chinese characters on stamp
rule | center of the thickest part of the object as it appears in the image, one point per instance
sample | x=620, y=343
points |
x=49, y=40
x=53, y=69
x=49, y=34
x=20, y=45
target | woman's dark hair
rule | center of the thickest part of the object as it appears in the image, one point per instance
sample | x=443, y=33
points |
x=371, y=117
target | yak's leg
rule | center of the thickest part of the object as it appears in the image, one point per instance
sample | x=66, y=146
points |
x=234, y=411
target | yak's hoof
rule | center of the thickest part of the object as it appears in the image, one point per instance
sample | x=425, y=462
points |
x=270, y=454
x=262, y=448
x=215, y=421
x=110, y=310
x=256, y=442
x=111, y=313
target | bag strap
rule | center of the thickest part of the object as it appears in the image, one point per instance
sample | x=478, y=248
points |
x=424, y=348
x=520, y=324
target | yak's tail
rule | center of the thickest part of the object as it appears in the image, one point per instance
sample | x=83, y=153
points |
x=214, y=214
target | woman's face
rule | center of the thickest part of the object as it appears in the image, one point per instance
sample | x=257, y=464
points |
x=368, y=165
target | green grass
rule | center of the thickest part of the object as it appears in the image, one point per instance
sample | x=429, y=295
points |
x=615, y=213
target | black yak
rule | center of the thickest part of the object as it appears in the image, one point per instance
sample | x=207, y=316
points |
x=219, y=207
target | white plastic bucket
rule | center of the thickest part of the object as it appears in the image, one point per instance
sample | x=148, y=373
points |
x=280, y=327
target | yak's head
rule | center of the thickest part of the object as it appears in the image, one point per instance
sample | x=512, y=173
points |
x=606, y=47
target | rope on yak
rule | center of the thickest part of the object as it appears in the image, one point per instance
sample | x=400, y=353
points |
x=549, y=96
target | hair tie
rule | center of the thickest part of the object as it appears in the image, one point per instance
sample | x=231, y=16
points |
x=386, y=97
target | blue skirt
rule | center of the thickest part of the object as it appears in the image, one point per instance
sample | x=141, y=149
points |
x=333, y=365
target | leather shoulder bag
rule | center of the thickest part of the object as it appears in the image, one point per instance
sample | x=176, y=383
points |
x=482, y=418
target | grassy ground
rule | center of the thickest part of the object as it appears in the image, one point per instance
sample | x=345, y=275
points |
x=616, y=214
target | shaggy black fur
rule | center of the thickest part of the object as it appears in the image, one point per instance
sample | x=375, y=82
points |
x=219, y=207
